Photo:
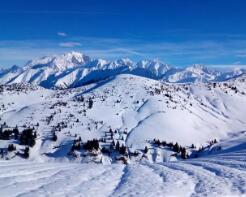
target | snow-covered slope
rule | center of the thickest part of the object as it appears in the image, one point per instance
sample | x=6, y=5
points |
x=220, y=175
x=196, y=73
x=131, y=110
x=138, y=108
x=6, y=75
x=75, y=69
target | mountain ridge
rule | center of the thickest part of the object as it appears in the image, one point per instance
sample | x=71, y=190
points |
x=75, y=69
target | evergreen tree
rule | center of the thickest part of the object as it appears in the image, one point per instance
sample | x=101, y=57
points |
x=28, y=137
x=146, y=149
x=157, y=142
x=16, y=132
x=11, y=147
x=90, y=103
x=54, y=137
x=26, y=152
x=183, y=153
x=164, y=143
x=35, y=134
x=176, y=148
x=122, y=150
x=117, y=147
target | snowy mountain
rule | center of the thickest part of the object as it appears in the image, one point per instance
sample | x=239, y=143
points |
x=6, y=75
x=195, y=73
x=188, y=139
x=75, y=69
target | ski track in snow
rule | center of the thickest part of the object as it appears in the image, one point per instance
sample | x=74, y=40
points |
x=196, y=177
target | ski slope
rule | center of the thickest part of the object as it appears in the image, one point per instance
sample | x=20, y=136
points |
x=222, y=174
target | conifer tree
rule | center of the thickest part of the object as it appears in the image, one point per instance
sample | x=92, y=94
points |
x=90, y=103
x=26, y=152
x=146, y=149
x=117, y=147
x=122, y=150
x=176, y=148
x=16, y=132
x=183, y=153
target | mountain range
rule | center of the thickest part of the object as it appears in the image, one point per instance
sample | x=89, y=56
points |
x=188, y=138
x=74, y=69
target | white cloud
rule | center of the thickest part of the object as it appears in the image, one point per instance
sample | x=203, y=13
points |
x=69, y=44
x=62, y=34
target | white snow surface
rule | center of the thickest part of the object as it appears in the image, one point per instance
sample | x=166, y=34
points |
x=217, y=175
x=144, y=109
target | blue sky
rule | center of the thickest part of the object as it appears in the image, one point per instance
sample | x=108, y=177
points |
x=178, y=32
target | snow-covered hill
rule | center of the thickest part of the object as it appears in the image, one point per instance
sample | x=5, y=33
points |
x=75, y=69
x=136, y=109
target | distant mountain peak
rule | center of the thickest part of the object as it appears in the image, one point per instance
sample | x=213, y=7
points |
x=74, y=69
x=59, y=62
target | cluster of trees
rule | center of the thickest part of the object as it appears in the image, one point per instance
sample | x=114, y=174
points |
x=120, y=148
x=9, y=133
x=28, y=137
x=59, y=103
x=5, y=135
x=61, y=125
x=175, y=147
x=91, y=145
x=19, y=87
x=90, y=103
x=212, y=142
x=79, y=99
x=234, y=88
x=11, y=147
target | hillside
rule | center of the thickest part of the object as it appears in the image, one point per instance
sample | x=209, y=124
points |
x=135, y=109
